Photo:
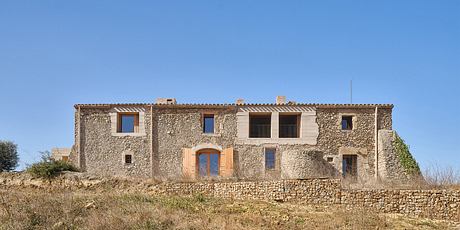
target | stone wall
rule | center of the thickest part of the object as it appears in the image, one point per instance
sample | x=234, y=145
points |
x=305, y=164
x=315, y=191
x=390, y=168
x=251, y=161
x=170, y=129
x=361, y=139
x=436, y=204
x=176, y=129
x=102, y=153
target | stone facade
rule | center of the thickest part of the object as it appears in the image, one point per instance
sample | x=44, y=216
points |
x=170, y=137
x=177, y=129
x=102, y=152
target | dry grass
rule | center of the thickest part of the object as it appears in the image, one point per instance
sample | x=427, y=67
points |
x=435, y=177
x=36, y=209
x=442, y=177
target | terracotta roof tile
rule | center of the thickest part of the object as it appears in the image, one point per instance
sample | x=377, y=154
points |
x=197, y=105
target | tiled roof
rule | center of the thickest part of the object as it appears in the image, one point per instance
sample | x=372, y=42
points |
x=199, y=105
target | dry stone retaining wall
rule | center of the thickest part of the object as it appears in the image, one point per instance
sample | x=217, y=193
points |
x=436, y=204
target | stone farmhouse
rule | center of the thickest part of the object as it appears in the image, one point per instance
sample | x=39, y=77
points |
x=284, y=140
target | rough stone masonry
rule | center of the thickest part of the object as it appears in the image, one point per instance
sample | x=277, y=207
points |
x=242, y=141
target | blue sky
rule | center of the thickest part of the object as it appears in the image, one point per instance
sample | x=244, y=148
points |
x=54, y=54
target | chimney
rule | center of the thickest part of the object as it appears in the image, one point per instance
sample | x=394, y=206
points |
x=166, y=101
x=280, y=100
x=240, y=101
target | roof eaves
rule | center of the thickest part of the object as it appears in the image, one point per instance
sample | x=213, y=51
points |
x=198, y=105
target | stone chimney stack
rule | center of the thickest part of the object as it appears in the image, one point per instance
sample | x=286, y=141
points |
x=166, y=101
x=240, y=101
x=280, y=100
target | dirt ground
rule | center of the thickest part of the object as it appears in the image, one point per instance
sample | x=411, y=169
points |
x=38, y=209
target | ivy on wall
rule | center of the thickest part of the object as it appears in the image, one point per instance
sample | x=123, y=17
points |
x=406, y=159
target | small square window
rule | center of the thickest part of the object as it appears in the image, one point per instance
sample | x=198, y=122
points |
x=270, y=158
x=208, y=123
x=128, y=123
x=347, y=122
x=128, y=159
x=330, y=159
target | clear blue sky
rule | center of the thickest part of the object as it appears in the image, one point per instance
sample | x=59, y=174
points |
x=54, y=54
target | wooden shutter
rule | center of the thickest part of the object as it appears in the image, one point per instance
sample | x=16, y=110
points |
x=188, y=163
x=136, y=122
x=118, y=123
x=226, y=163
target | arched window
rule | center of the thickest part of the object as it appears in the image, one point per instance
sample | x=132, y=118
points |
x=208, y=162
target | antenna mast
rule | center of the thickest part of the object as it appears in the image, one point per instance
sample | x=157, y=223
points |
x=351, y=91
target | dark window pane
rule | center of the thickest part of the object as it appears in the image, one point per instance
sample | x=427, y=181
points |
x=289, y=126
x=349, y=166
x=208, y=123
x=203, y=164
x=127, y=123
x=214, y=164
x=128, y=159
x=270, y=158
x=260, y=126
x=347, y=122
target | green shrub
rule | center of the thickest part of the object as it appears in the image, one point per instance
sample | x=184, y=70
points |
x=49, y=168
x=8, y=156
x=406, y=159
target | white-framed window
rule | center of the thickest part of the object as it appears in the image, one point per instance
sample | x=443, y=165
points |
x=127, y=122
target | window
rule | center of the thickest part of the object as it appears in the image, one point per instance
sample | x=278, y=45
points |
x=208, y=123
x=128, y=123
x=347, y=122
x=128, y=159
x=270, y=158
x=65, y=158
x=289, y=126
x=330, y=159
x=349, y=166
x=208, y=163
x=260, y=125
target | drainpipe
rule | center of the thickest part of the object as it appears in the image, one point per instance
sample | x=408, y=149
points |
x=376, y=146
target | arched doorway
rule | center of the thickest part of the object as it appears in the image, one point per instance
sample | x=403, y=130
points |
x=208, y=162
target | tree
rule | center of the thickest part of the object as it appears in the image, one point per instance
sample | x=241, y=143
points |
x=8, y=156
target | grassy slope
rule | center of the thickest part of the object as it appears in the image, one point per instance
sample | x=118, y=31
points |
x=35, y=209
